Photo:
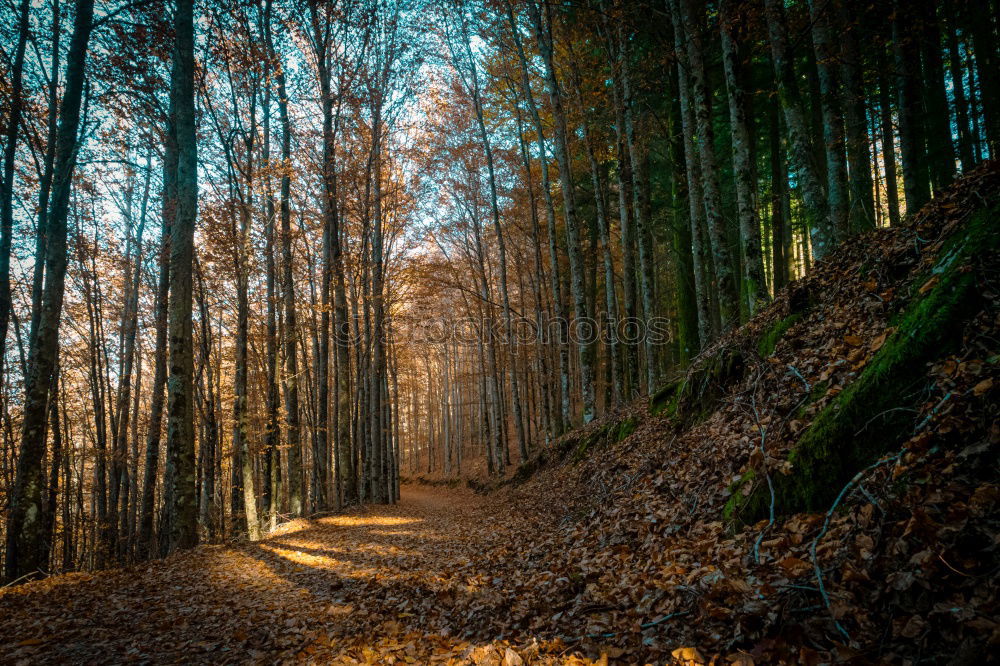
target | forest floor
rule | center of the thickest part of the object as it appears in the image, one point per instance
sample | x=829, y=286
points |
x=352, y=588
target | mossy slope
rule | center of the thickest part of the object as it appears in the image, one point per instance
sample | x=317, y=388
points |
x=875, y=412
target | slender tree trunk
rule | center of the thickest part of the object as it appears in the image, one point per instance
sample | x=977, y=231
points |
x=522, y=445
x=688, y=343
x=955, y=69
x=696, y=210
x=561, y=315
x=833, y=118
x=862, y=213
x=290, y=333
x=321, y=443
x=241, y=435
x=754, y=282
x=626, y=199
x=45, y=182
x=133, y=473
x=99, y=399
x=610, y=297
x=585, y=326
x=210, y=441
x=821, y=230
x=144, y=538
x=129, y=327
x=779, y=190
x=25, y=531
x=536, y=283
x=940, y=148
x=7, y=176
x=49, y=518
x=182, y=504
x=686, y=24
x=272, y=428
x=640, y=193
x=916, y=183
x=377, y=434
x=888, y=138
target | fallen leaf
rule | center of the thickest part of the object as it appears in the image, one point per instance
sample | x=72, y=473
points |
x=794, y=566
x=688, y=654
x=511, y=658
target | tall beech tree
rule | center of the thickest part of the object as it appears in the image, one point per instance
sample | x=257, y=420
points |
x=26, y=537
x=181, y=514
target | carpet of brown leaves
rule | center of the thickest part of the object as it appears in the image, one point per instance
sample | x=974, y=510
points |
x=376, y=585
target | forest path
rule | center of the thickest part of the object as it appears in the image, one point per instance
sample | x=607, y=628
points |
x=368, y=586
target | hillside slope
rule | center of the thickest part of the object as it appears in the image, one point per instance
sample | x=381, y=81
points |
x=865, y=395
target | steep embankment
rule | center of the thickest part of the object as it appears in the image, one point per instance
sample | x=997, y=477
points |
x=866, y=397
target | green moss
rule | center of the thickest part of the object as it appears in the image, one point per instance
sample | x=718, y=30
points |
x=626, y=428
x=697, y=396
x=527, y=469
x=874, y=413
x=665, y=400
x=582, y=446
x=737, y=500
x=608, y=433
x=768, y=341
x=817, y=391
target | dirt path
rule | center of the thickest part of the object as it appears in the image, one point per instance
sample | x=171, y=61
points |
x=376, y=585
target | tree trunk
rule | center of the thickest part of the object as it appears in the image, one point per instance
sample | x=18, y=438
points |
x=688, y=343
x=522, y=445
x=7, y=175
x=25, y=530
x=144, y=538
x=833, y=117
x=626, y=200
x=182, y=504
x=290, y=332
x=779, y=190
x=940, y=148
x=210, y=441
x=561, y=316
x=696, y=210
x=536, y=282
x=686, y=23
x=49, y=518
x=916, y=183
x=610, y=297
x=640, y=192
x=45, y=182
x=955, y=69
x=888, y=138
x=129, y=328
x=862, y=213
x=818, y=221
x=272, y=428
x=585, y=326
x=754, y=282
